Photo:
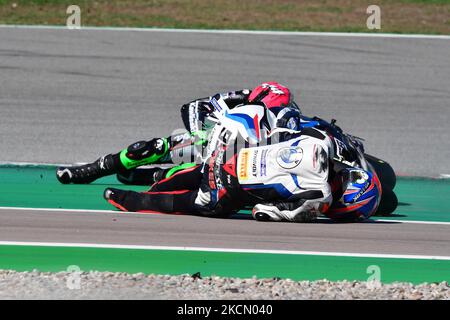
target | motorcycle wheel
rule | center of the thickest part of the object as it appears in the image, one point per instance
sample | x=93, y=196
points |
x=384, y=171
x=388, y=203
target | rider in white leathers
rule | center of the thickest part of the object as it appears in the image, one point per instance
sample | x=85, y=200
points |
x=297, y=170
x=282, y=181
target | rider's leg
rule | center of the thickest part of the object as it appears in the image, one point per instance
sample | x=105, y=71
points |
x=188, y=191
x=151, y=175
x=185, y=176
x=140, y=153
x=175, y=201
x=181, y=201
x=141, y=176
x=176, y=192
x=146, y=152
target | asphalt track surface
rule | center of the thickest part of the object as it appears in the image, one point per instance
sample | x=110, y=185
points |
x=69, y=96
x=189, y=231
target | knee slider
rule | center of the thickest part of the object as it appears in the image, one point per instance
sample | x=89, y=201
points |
x=144, y=149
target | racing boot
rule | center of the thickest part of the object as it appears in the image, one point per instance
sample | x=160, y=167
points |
x=138, y=154
x=88, y=173
x=132, y=201
x=124, y=200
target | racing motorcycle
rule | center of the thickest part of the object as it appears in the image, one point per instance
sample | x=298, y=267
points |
x=350, y=153
x=255, y=125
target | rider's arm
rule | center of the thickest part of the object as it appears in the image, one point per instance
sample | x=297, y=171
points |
x=313, y=199
x=304, y=208
x=194, y=112
x=235, y=98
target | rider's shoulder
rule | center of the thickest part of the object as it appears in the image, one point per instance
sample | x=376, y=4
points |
x=307, y=132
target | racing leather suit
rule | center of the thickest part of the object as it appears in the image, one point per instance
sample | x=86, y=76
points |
x=285, y=181
x=290, y=178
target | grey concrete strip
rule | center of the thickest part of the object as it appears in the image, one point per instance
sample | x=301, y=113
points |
x=68, y=96
x=170, y=230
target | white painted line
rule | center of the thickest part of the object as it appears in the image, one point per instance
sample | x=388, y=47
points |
x=229, y=250
x=375, y=219
x=229, y=31
x=414, y=221
x=140, y=214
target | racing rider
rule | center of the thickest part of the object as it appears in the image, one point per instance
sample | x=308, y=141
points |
x=291, y=180
x=276, y=98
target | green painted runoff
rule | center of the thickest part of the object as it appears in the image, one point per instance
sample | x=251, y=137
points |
x=225, y=264
x=36, y=187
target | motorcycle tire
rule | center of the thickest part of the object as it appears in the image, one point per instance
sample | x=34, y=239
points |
x=384, y=171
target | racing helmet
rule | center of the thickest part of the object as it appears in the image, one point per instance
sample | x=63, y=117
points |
x=358, y=195
x=283, y=112
x=273, y=95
